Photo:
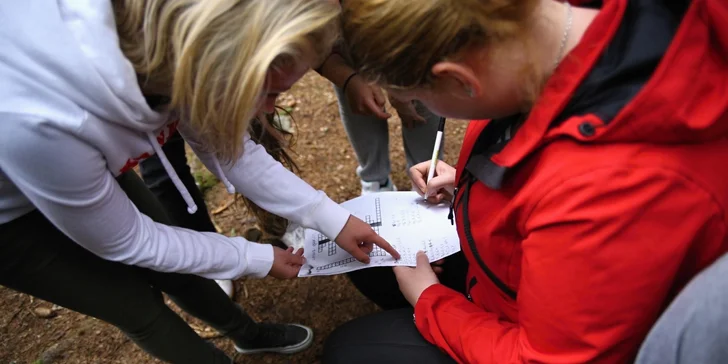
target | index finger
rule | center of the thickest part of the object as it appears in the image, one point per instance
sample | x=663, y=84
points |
x=379, y=241
x=418, y=179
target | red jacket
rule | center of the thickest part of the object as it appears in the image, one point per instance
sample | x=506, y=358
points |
x=610, y=196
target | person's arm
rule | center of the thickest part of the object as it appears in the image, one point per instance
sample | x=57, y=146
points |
x=68, y=181
x=600, y=254
x=274, y=188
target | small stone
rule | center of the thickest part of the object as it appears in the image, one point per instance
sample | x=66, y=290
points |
x=44, y=312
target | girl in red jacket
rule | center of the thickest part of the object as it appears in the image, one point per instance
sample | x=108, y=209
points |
x=592, y=188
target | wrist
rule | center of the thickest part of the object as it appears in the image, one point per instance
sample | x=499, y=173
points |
x=348, y=81
x=422, y=291
x=336, y=70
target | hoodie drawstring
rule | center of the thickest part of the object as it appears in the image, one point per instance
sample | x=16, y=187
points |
x=191, y=206
x=218, y=170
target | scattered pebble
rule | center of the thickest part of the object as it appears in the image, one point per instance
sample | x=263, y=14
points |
x=44, y=312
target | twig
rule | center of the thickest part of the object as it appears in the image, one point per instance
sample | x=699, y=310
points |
x=223, y=207
x=15, y=314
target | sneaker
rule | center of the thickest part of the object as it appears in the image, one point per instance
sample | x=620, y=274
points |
x=278, y=338
x=374, y=187
x=227, y=287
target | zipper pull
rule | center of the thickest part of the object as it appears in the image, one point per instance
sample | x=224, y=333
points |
x=451, y=214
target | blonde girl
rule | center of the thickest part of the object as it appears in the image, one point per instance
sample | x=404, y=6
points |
x=89, y=89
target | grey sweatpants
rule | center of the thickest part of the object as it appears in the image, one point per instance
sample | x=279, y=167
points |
x=369, y=136
x=694, y=328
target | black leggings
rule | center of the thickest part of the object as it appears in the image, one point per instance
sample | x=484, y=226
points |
x=390, y=336
x=38, y=259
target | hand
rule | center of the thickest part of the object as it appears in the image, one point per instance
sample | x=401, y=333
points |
x=366, y=99
x=441, y=186
x=286, y=264
x=407, y=113
x=358, y=239
x=414, y=281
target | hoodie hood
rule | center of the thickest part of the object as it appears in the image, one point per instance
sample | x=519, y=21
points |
x=61, y=64
x=647, y=71
x=68, y=51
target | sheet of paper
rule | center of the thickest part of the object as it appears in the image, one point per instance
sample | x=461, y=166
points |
x=404, y=219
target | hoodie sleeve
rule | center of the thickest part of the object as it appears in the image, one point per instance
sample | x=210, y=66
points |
x=274, y=188
x=68, y=181
x=598, y=265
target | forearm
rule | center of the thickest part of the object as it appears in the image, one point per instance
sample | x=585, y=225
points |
x=336, y=70
x=462, y=329
x=67, y=180
x=274, y=188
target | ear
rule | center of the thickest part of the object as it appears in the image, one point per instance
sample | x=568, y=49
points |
x=462, y=75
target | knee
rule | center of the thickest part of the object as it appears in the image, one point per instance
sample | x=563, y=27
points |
x=136, y=315
x=339, y=346
x=384, y=337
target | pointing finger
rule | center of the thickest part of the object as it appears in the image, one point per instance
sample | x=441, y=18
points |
x=376, y=239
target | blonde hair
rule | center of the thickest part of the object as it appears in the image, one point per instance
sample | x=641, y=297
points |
x=396, y=43
x=215, y=54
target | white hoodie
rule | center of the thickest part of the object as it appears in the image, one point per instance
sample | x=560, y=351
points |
x=72, y=118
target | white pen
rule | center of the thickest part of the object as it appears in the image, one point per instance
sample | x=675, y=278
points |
x=435, y=153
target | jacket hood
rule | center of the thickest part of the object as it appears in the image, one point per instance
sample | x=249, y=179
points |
x=651, y=71
x=61, y=59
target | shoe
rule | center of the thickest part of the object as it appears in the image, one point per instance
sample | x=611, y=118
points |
x=278, y=338
x=227, y=287
x=374, y=187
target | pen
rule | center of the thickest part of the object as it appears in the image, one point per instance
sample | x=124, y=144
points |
x=435, y=152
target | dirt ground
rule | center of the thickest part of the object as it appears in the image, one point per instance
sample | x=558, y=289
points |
x=327, y=161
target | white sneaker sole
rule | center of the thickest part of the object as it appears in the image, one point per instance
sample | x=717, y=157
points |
x=227, y=287
x=305, y=344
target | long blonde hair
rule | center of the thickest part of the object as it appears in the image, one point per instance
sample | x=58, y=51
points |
x=215, y=54
x=396, y=43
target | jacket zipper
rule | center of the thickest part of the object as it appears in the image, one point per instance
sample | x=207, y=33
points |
x=471, y=284
x=473, y=248
x=451, y=214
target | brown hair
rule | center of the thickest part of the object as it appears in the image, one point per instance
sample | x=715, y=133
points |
x=396, y=43
x=277, y=141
